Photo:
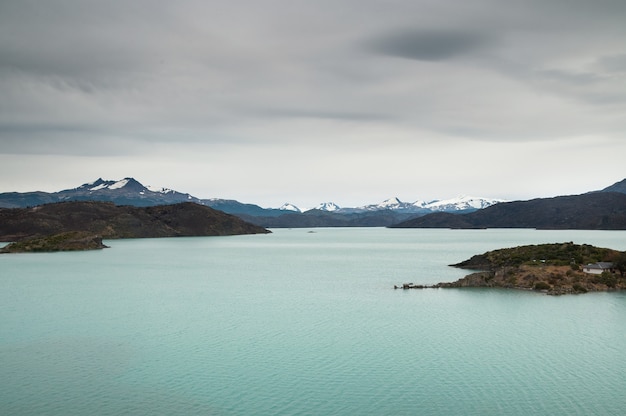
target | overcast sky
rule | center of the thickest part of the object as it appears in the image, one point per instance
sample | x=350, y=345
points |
x=350, y=101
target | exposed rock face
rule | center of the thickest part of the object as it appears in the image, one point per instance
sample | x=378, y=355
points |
x=70, y=241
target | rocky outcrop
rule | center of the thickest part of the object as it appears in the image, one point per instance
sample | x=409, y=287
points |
x=552, y=280
x=554, y=269
x=70, y=241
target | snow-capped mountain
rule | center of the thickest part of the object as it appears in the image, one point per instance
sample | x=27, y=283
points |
x=128, y=184
x=394, y=204
x=127, y=191
x=289, y=207
x=462, y=203
x=328, y=207
x=391, y=203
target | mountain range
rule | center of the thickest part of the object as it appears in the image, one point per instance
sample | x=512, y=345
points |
x=591, y=211
x=604, y=209
x=129, y=191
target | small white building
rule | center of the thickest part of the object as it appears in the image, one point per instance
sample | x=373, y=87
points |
x=598, y=268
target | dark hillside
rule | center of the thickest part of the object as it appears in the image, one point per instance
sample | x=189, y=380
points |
x=593, y=211
x=616, y=187
x=112, y=221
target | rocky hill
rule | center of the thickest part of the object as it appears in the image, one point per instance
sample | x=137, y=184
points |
x=111, y=221
x=592, y=211
x=555, y=269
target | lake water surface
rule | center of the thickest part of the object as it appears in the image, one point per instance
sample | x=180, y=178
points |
x=303, y=322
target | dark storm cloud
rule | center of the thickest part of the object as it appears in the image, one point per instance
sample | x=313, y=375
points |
x=428, y=45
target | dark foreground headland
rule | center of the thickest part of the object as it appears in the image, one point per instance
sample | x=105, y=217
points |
x=555, y=269
x=46, y=226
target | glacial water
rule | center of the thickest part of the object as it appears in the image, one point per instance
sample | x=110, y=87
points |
x=302, y=322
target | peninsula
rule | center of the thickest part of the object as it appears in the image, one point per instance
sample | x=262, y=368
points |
x=81, y=225
x=555, y=269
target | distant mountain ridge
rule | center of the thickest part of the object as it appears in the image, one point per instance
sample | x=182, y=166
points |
x=460, y=212
x=616, y=187
x=591, y=211
x=461, y=203
x=129, y=191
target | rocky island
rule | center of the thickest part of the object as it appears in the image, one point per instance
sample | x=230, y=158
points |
x=555, y=269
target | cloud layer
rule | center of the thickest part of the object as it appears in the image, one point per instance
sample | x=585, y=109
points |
x=268, y=101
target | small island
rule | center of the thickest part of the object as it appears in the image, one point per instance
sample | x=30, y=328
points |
x=554, y=269
x=69, y=241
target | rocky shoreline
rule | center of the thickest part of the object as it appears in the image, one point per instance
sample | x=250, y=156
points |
x=70, y=241
x=553, y=269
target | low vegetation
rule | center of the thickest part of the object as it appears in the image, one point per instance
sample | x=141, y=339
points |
x=70, y=241
x=552, y=268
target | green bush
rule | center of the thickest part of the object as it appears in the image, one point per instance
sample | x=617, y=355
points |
x=605, y=278
x=542, y=286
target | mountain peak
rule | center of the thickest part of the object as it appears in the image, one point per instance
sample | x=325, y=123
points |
x=327, y=206
x=391, y=202
x=289, y=207
x=462, y=203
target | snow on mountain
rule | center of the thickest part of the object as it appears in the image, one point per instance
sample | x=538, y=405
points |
x=328, y=206
x=461, y=203
x=423, y=204
x=391, y=203
x=396, y=204
x=101, y=184
x=159, y=190
x=289, y=207
x=119, y=184
x=128, y=190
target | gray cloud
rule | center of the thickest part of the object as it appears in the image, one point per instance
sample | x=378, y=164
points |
x=614, y=64
x=428, y=45
x=215, y=84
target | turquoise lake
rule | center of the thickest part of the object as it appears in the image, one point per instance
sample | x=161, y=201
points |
x=303, y=322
